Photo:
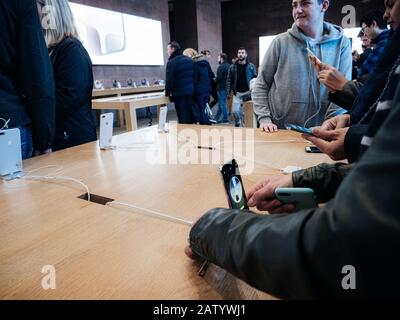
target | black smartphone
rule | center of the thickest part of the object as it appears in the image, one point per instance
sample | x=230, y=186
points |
x=234, y=186
x=300, y=129
x=313, y=149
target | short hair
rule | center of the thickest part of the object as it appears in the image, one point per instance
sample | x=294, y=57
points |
x=175, y=45
x=372, y=16
x=61, y=16
x=224, y=56
x=242, y=48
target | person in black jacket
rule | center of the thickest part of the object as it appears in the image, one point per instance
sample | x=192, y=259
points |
x=343, y=134
x=221, y=82
x=202, y=87
x=73, y=76
x=179, y=85
x=345, y=249
x=27, y=94
x=211, y=75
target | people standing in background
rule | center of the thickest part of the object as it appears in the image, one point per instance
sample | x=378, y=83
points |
x=375, y=28
x=221, y=82
x=179, y=84
x=287, y=90
x=239, y=76
x=214, y=94
x=73, y=75
x=27, y=93
x=202, y=87
x=367, y=49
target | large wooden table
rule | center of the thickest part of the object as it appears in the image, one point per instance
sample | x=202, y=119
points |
x=119, y=92
x=101, y=252
x=129, y=104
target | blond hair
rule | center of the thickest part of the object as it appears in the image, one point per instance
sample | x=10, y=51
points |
x=191, y=53
x=61, y=21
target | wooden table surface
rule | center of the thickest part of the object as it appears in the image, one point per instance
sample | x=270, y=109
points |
x=101, y=252
x=124, y=91
x=129, y=104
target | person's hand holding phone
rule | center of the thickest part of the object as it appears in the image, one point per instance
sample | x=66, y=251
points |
x=315, y=61
x=329, y=142
x=338, y=122
x=262, y=195
x=331, y=78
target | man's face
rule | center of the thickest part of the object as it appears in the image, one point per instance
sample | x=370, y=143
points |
x=170, y=50
x=307, y=13
x=392, y=13
x=369, y=31
x=366, y=42
x=242, y=55
x=220, y=60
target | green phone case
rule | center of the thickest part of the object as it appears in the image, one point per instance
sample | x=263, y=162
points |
x=302, y=198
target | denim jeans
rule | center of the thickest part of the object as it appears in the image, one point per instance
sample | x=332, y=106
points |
x=222, y=106
x=201, y=101
x=26, y=142
x=238, y=109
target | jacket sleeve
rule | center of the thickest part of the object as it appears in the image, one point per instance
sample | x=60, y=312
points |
x=211, y=74
x=324, y=179
x=303, y=255
x=264, y=82
x=229, y=80
x=352, y=141
x=346, y=97
x=345, y=67
x=169, y=81
x=220, y=75
x=74, y=80
x=36, y=76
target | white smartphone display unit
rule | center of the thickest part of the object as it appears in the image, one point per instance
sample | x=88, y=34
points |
x=162, y=121
x=11, y=155
x=106, y=130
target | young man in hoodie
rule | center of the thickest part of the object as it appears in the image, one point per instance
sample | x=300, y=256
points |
x=287, y=90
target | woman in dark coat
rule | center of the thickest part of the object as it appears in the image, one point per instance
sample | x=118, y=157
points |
x=202, y=87
x=73, y=76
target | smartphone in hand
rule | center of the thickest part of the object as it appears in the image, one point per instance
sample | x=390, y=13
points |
x=234, y=186
x=302, y=198
x=300, y=129
x=315, y=61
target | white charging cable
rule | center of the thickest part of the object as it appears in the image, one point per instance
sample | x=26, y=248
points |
x=57, y=178
x=6, y=122
x=31, y=177
x=151, y=213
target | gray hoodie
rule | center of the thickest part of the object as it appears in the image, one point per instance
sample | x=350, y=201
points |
x=287, y=90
